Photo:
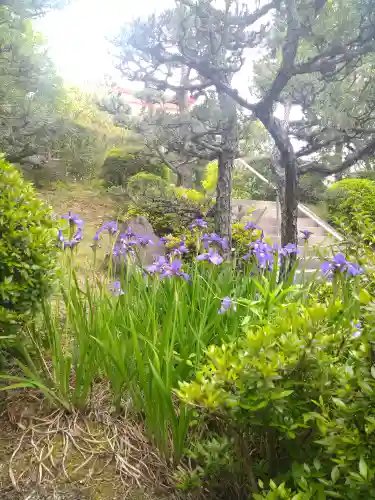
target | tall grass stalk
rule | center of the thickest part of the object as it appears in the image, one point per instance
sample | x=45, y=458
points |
x=146, y=340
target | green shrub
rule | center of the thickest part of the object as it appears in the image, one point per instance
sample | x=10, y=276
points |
x=241, y=237
x=293, y=397
x=145, y=184
x=351, y=200
x=27, y=246
x=210, y=177
x=118, y=167
x=169, y=215
x=190, y=194
x=311, y=188
x=170, y=210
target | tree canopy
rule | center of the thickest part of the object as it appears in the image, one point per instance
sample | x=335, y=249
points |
x=313, y=57
x=51, y=130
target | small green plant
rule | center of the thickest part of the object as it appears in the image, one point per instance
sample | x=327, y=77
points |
x=167, y=212
x=120, y=166
x=146, y=184
x=190, y=194
x=293, y=393
x=241, y=237
x=28, y=252
x=210, y=177
x=350, y=202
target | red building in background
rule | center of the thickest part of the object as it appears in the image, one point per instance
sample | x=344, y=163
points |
x=130, y=98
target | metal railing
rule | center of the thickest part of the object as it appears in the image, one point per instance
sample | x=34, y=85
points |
x=302, y=208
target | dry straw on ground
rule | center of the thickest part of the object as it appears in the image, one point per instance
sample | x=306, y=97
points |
x=99, y=454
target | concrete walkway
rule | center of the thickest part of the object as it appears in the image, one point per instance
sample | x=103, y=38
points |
x=265, y=214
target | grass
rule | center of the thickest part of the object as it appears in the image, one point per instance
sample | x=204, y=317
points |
x=143, y=342
x=98, y=473
x=109, y=367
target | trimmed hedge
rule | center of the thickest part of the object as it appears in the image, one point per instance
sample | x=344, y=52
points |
x=119, y=167
x=28, y=251
x=351, y=201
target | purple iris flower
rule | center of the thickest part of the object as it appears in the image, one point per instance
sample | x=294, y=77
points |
x=212, y=255
x=264, y=260
x=341, y=265
x=206, y=240
x=262, y=252
x=327, y=268
x=354, y=269
x=339, y=261
x=214, y=239
x=123, y=248
x=73, y=219
x=167, y=269
x=226, y=304
x=264, y=257
x=289, y=249
x=181, y=248
x=357, y=329
x=158, y=265
x=110, y=226
x=174, y=269
x=250, y=226
x=127, y=240
x=128, y=234
x=117, y=251
x=199, y=223
x=306, y=234
x=115, y=289
x=77, y=237
x=144, y=241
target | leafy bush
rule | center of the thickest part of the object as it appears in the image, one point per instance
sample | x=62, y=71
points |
x=119, y=166
x=170, y=215
x=210, y=177
x=170, y=210
x=145, y=184
x=27, y=246
x=351, y=200
x=190, y=194
x=245, y=184
x=293, y=396
x=311, y=188
x=241, y=237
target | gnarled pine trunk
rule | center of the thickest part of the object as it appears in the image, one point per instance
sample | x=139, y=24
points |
x=229, y=146
x=223, y=209
x=287, y=174
x=288, y=196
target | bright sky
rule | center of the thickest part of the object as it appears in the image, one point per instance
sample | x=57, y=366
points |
x=78, y=38
x=78, y=35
